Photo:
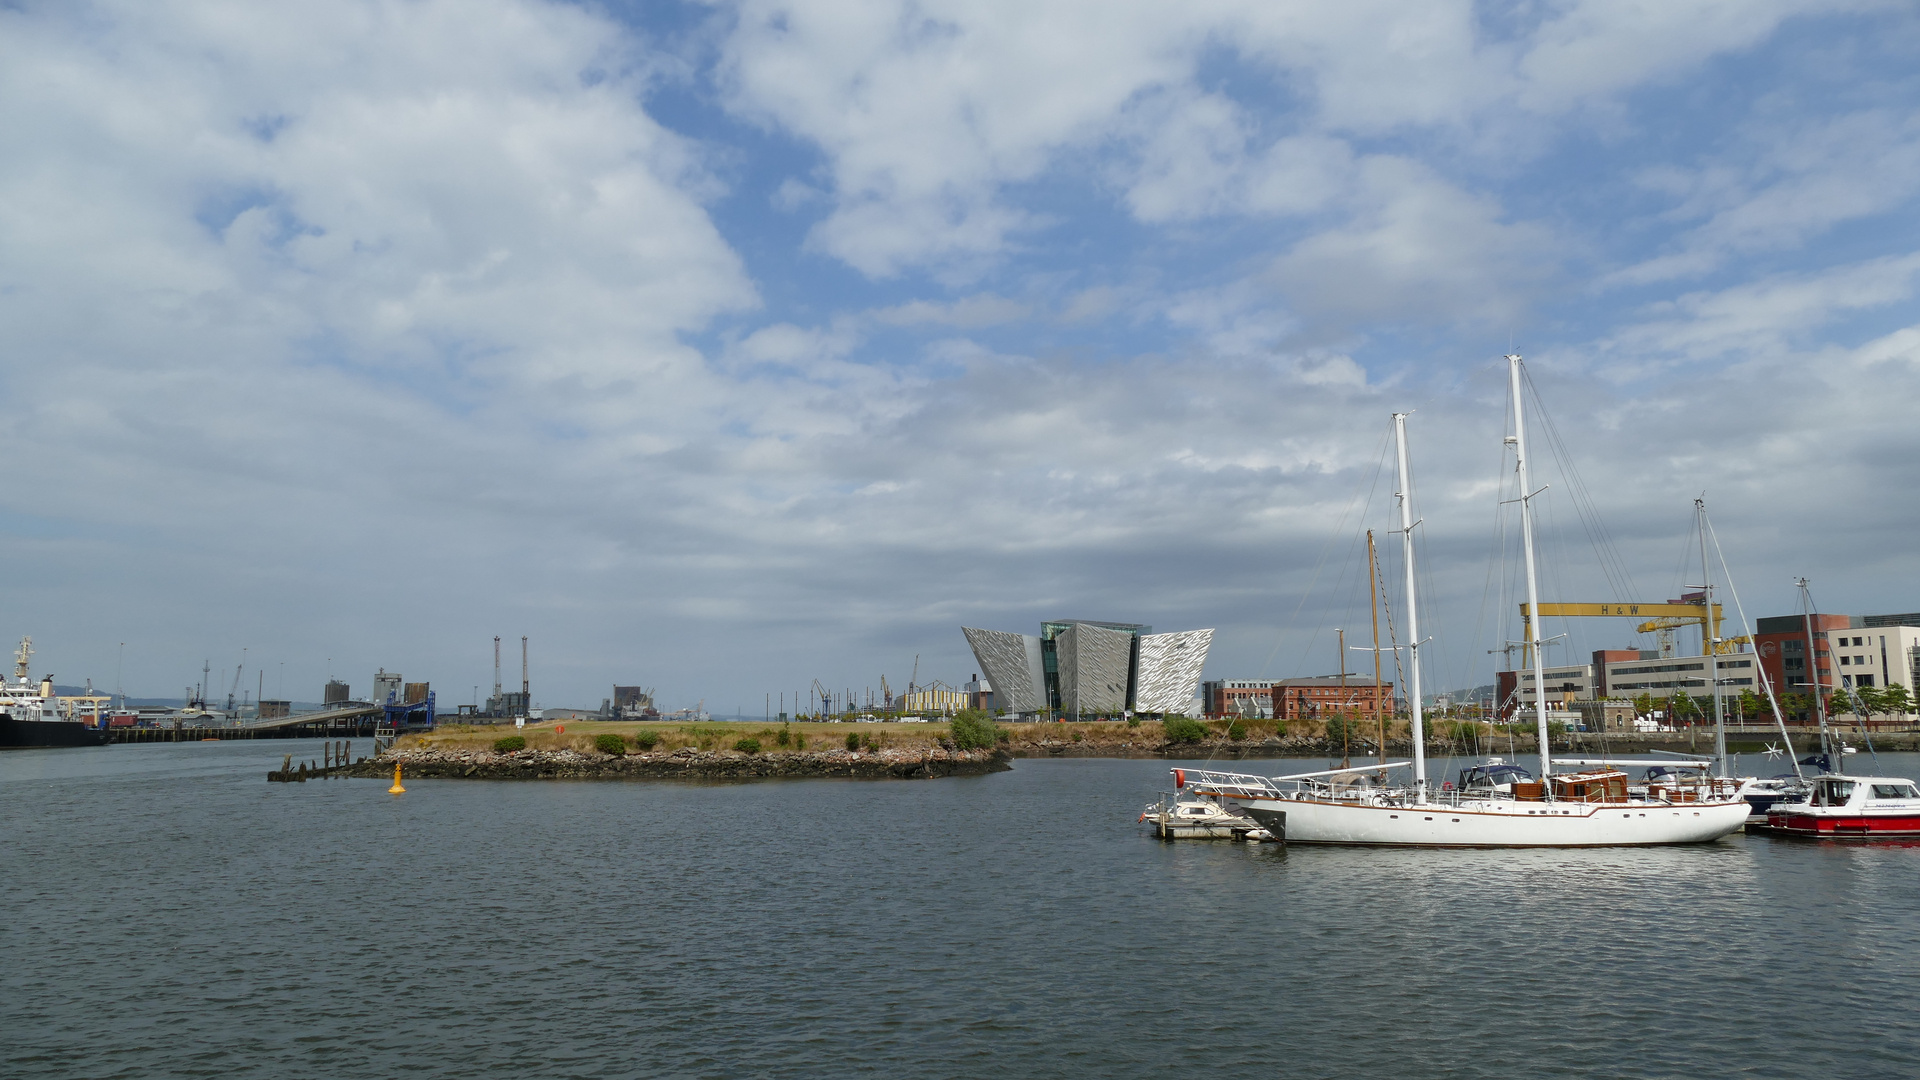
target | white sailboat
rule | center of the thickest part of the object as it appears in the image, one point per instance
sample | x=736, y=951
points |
x=1591, y=808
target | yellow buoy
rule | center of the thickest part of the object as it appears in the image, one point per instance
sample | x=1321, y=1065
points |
x=396, y=789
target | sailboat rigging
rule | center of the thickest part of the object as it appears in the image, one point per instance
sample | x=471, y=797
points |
x=1497, y=806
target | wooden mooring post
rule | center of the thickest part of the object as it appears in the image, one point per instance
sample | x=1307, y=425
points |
x=335, y=758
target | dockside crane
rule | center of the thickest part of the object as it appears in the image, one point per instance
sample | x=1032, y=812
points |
x=235, y=688
x=825, y=695
x=1681, y=612
x=1664, y=628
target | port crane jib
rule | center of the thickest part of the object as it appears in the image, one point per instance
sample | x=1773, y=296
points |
x=1685, y=613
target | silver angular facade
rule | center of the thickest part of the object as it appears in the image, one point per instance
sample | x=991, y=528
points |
x=1012, y=665
x=1094, y=664
x=1079, y=667
x=1169, y=674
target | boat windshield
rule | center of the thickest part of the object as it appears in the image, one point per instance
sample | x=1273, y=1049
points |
x=1480, y=776
x=1832, y=792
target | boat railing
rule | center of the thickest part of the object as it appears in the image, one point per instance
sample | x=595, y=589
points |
x=1235, y=785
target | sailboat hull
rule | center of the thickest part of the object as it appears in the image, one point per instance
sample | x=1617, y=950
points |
x=1499, y=822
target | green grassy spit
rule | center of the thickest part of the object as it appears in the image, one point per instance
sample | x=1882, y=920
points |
x=772, y=738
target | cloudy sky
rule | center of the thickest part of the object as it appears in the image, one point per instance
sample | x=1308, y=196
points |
x=720, y=347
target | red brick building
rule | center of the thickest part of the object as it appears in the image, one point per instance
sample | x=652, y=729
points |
x=1251, y=698
x=1781, y=645
x=1315, y=698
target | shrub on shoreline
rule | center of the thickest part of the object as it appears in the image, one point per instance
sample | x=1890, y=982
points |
x=971, y=730
x=646, y=740
x=1182, y=729
x=747, y=746
x=509, y=744
x=609, y=743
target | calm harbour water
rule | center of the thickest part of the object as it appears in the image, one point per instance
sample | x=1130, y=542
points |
x=167, y=912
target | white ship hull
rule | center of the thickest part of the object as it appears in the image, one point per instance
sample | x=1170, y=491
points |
x=1497, y=822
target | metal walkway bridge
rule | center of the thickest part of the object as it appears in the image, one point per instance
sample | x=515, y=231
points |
x=355, y=717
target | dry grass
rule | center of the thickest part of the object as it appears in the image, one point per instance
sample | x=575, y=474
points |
x=713, y=735
x=721, y=735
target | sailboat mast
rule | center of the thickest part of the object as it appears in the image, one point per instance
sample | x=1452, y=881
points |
x=1532, y=647
x=1346, y=708
x=1710, y=640
x=1813, y=679
x=1373, y=606
x=1416, y=729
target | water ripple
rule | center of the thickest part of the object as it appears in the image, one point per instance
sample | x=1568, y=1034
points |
x=170, y=914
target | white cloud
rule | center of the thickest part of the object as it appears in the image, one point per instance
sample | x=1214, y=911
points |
x=1592, y=48
x=1088, y=304
x=1417, y=248
x=268, y=277
x=928, y=112
x=467, y=188
x=925, y=109
x=1197, y=158
x=969, y=312
x=413, y=307
x=1770, y=317
x=1782, y=184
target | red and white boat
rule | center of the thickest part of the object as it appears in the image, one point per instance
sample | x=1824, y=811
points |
x=1850, y=808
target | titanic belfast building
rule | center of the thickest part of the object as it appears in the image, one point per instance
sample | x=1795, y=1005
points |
x=1075, y=667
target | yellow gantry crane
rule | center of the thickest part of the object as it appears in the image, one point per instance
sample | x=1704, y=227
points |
x=1675, y=614
x=1666, y=626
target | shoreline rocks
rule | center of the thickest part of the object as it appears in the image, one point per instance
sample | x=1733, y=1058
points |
x=684, y=764
x=916, y=763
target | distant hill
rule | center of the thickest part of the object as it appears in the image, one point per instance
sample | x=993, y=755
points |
x=1461, y=697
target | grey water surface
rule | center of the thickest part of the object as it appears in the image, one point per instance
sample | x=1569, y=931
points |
x=167, y=912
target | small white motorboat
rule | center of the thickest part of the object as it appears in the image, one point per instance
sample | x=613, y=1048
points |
x=1203, y=819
